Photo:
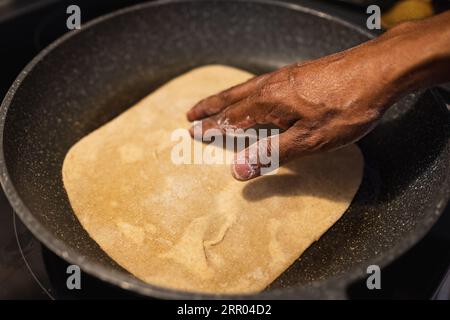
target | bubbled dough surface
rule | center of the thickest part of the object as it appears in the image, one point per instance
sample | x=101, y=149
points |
x=193, y=227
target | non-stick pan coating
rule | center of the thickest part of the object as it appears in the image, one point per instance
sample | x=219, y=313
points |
x=89, y=77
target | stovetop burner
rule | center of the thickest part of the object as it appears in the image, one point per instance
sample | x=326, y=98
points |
x=28, y=270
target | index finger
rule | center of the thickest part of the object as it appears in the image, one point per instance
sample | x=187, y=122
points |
x=216, y=103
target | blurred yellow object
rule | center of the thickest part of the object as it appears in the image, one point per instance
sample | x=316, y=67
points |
x=407, y=10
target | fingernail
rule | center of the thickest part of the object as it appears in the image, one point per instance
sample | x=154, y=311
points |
x=244, y=171
x=196, y=130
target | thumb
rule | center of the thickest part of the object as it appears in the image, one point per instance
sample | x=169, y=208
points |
x=264, y=156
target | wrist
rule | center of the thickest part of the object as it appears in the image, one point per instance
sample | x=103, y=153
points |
x=416, y=55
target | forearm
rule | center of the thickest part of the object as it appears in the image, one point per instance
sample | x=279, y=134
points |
x=416, y=55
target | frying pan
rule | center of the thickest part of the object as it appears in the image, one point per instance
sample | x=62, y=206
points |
x=88, y=77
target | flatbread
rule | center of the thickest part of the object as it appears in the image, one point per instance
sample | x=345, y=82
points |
x=193, y=226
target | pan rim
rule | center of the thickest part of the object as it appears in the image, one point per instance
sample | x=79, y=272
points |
x=329, y=288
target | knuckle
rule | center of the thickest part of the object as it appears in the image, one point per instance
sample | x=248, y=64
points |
x=224, y=96
x=264, y=94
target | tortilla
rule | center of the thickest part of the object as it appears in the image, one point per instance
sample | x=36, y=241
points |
x=193, y=226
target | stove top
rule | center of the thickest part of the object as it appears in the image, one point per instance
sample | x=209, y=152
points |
x=30, y=271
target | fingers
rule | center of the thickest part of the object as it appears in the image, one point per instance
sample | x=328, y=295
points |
x=267, y=155
x=246, y=113
x=241, y=115
x=218, y=102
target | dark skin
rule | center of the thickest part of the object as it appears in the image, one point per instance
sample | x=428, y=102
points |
x=335, y=100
